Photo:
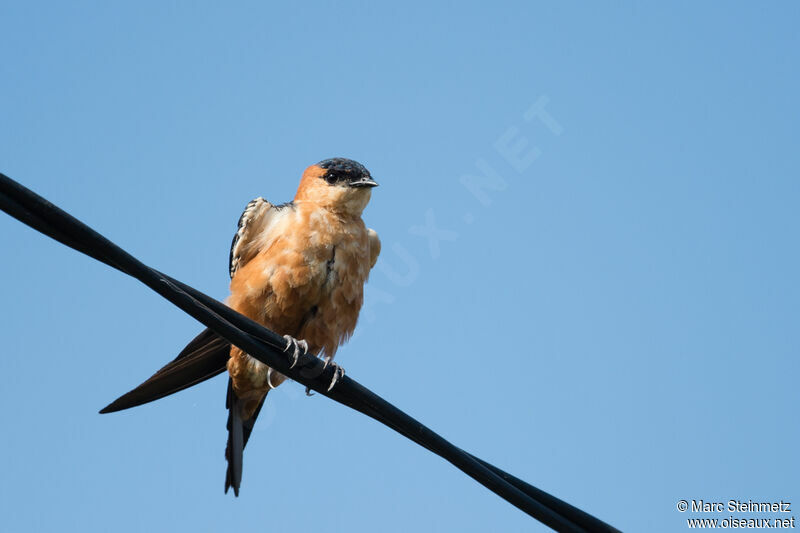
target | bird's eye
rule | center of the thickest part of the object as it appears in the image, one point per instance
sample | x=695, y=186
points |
x=331, y=177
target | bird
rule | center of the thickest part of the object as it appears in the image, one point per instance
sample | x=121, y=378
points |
x=299, y=269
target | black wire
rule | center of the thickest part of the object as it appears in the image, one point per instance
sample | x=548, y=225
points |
x=270, y=348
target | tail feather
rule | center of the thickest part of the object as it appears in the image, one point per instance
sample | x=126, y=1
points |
x=238, y=434
x=203, y=358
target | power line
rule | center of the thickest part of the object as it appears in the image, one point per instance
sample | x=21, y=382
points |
x=270, y=348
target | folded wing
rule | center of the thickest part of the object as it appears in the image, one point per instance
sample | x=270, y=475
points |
x=203, y=358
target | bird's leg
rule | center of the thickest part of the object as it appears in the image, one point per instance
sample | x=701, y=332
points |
x=292, y=342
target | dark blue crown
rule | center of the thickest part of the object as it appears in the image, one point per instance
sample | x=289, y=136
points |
x=344, y=171
x=343, y=165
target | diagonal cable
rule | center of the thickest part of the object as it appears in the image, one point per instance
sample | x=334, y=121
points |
x=270, y=348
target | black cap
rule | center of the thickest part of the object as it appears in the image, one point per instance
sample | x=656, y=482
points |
x=341, y=171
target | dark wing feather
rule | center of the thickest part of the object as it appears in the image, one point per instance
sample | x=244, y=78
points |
x=203, y=358
x=207, y=355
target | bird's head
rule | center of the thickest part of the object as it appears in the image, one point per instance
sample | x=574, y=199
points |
x=339, y=184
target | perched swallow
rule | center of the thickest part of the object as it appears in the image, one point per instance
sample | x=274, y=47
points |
x=299, y=269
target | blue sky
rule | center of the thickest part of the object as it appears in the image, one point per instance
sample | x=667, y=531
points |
x=612, y=316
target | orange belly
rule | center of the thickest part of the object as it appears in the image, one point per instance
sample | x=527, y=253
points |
x=309, y=284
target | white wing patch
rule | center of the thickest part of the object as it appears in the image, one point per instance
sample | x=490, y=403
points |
x=256, y=219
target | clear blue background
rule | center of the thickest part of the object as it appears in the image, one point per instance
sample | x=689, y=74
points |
x=618, y=326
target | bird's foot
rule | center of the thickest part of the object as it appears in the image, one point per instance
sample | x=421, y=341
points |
x=338, y=372
x=269, y=379
x=291, y=342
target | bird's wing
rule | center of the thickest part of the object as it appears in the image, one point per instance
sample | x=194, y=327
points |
x=203, y=358
x=254, y=231
x=374, y=247
x=207, y=355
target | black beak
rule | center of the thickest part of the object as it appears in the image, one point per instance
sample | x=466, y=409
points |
x=364, y=182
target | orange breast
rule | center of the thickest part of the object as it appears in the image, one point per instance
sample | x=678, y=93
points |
x=309, y=283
